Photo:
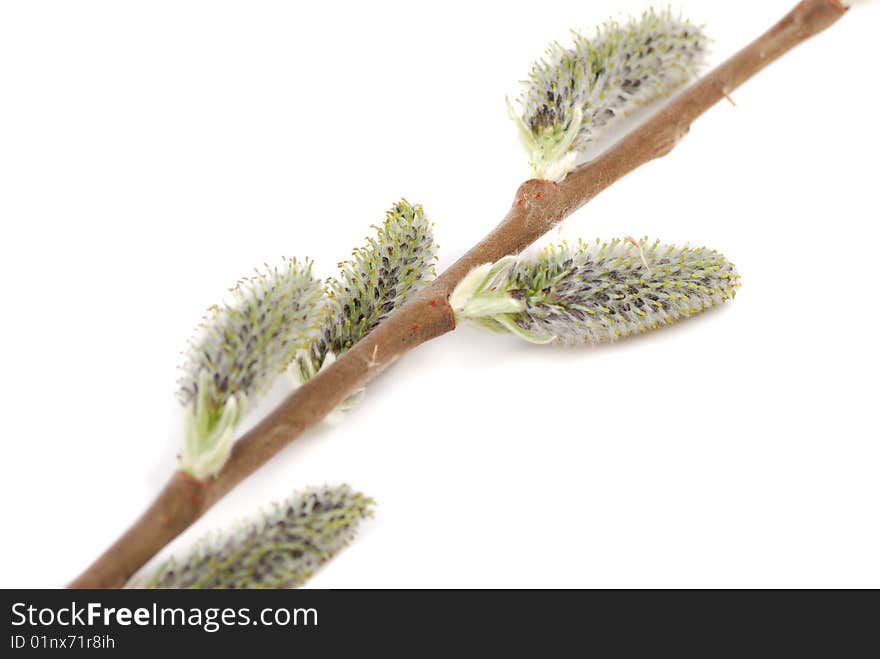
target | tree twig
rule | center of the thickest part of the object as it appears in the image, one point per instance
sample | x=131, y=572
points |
x=538, y=206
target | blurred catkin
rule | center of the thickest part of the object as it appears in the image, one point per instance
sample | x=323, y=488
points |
x=281, y=548
x=241, y=346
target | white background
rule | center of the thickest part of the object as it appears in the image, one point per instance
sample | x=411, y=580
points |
x=151, y=153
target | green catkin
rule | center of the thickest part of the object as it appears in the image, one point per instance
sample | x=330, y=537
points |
x=382, y=274
x=280, y=549
x=595, y=293
x=576, y=94
x=240, y=348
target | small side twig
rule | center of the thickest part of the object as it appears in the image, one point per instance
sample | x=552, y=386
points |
x=537, y=207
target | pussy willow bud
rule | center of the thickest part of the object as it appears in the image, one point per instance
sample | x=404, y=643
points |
x=575, y=94
x=590, y=294
x=279, y=549
x=382, y=274
x=240, y=348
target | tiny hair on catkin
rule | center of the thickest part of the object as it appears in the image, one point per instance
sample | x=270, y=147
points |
x=594, y=293
x=381, y=275
x=576, y=94
x=240, y=348
x=279, y=548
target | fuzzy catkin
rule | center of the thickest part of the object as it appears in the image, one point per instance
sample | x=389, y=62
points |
x=243, y=345
x=591, y=294
x=280, y=549
x=382, y=274
x=575, y=94
x=240, y=348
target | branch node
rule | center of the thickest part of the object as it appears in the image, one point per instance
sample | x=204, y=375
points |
x=535, y=189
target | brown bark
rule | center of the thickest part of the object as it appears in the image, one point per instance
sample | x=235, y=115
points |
x=538, y=206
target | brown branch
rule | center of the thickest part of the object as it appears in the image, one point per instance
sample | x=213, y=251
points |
x=539, y=205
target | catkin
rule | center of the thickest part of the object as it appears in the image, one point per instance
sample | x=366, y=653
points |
x=595, y=293
x=576, y=94
x=280, y=548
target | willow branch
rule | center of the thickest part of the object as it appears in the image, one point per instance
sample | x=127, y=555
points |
x=538, y=206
